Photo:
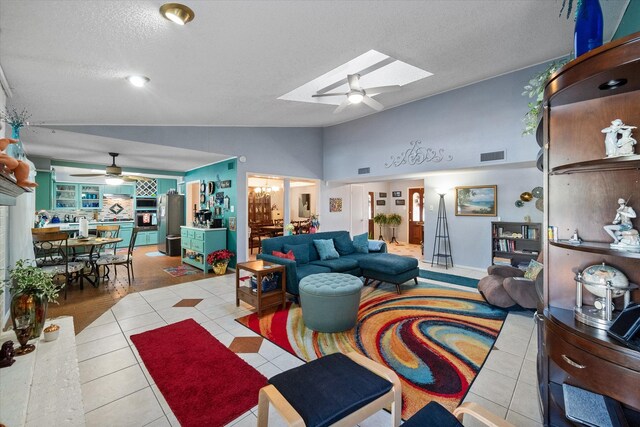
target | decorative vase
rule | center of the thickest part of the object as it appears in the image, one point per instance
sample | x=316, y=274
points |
x=312, y=230
x=31, y=305
x=16, y=150
x=588, y=29
x=220, y=267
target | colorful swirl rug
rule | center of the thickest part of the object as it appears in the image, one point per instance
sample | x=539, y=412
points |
x=435, y=338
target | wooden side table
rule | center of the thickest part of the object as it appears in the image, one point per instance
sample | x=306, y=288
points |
x=260, y=300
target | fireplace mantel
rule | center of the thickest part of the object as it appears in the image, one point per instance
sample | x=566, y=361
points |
x=9, y=190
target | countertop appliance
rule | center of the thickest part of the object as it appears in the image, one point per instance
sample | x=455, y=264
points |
x=203, y=217
x=170, y=216
x=146, y=203
x=147, y=220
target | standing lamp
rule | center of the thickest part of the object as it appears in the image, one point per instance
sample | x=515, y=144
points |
x=441, y=243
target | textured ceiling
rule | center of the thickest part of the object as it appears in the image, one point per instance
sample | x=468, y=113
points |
x=66, y=60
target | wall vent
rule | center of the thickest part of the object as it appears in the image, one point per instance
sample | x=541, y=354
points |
x=494, y=156
x=230, y=166
x=363, y=171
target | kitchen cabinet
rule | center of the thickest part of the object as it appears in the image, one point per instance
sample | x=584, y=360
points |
x=165, y=185
x=197, y=243
x=65, y=196
x=90, y=196
x=147, y=238
x=126, y=229
x=43, y=190
x=125, y=189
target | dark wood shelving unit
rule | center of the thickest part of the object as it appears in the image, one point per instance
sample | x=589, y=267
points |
x=601, y=165
x=597, y=248
x=523, y=249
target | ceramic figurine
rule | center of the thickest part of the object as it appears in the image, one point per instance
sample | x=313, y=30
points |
x=6, y=354
x=621, y=229
x=19, y=168
x=615, y=147
x=575, y=239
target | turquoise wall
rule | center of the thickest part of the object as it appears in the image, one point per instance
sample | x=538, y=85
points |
x=223, y=171
x=630, y=22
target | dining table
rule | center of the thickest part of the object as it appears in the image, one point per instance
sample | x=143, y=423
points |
x=94, y=244
x=272, y=230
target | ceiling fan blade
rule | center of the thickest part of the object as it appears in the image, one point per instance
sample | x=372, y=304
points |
x=131, y=178
x=354, y=81
x=382, y=89
x=318, y=95
x=342, y=106
x=87, y=174
x=372, y=103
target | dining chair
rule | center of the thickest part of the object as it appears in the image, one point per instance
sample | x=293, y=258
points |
x=52, y=255
x=122, y=259
x=43, y=230
x=110, y=232
x=91, y=257
x=255, y=239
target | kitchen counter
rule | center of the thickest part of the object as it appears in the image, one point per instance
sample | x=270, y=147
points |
x=202, y=228
x=66, y=226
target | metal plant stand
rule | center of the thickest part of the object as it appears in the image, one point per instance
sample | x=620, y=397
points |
x=442, y=244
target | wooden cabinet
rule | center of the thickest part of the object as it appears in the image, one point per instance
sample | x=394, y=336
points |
x=515, y=243
x=259, y=208
x=197, y=243
x=581, y=192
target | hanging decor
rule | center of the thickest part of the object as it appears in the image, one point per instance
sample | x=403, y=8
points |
x=416, y=155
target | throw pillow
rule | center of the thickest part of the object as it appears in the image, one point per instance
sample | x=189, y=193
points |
x=326, y=250
x=375, y=245
x=288, y=255
x=533, y=269
x=343, y=244
x=361, y=243
x=300, y=252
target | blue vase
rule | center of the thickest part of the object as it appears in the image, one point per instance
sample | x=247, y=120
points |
x=588, y=30
x=16, y=150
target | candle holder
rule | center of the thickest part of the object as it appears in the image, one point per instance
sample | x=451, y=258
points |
x=23, y=329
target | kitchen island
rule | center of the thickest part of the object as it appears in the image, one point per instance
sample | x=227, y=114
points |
x=197, y=243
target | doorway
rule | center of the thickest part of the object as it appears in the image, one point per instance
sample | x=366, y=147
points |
x=371, y=204
x=192, y=200
x=416, y=215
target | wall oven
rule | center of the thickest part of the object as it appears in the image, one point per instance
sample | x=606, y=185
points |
x=147, y=220
x=146, y=203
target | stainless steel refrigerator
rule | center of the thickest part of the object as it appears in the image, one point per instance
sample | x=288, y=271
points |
x=170, y=218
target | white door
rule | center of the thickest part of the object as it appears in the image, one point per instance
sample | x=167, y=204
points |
x=359, y=222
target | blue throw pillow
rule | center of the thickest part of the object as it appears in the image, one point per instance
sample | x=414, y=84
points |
x=375, y=245
x=361, y=243
x=326, y=250
x=301, y=252
x=343, y=244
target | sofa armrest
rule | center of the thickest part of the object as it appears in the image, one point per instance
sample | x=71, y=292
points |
x=290, y=267
x=383, y=248
x=505, y=271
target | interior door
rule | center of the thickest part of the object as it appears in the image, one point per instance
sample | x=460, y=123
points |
x=371, y=205
x=358, y=213
x=416, y=215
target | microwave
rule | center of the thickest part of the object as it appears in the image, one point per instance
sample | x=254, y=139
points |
x=148, y=203
x=146, y=219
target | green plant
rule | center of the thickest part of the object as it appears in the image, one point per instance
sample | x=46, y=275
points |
x=394, y=220
x=380, y=219
x=535, y=90
x=569, y=4
x=29, y=279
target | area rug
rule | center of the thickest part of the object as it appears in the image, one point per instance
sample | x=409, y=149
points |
x=449, y=278
x=204, y=383
x=181, y=270
x=434, y=337
x=154, y=254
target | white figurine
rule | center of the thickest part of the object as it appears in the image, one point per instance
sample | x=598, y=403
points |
x=621, y=229
x=615, y=147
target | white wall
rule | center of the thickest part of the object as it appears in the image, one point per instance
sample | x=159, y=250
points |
x=4, y=233
x=295, y=193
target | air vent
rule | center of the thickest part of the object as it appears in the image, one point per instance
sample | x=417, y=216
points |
x=230, y=166
x=364, y=171
x=493, y=156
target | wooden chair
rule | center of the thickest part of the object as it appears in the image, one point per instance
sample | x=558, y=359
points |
x=255, y=239
x=52, y=256
x=122, y=259
x=104, y=231
x=45, y=230
x=108, y=231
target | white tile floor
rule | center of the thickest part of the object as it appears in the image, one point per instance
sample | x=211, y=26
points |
x=118, y=390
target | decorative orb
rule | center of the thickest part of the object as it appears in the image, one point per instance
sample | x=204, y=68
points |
x=537, y=192
x=600, y=274
x=519, y=203
x=540, y=205
x=526, y=196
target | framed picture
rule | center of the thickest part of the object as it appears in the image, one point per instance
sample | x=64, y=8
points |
x=225, y=184
x=381, y=202
x=232, y=223
x=335, y=204
x=399, y=201
x=304, y=205
x=480, y=200
x=382, y=195
x=396, y=193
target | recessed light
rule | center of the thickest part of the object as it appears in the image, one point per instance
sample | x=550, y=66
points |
x=612, y=84
x=177, y=13
x=138, y=81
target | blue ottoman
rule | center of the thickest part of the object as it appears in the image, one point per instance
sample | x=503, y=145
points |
x=330, y=301
x=390, y=268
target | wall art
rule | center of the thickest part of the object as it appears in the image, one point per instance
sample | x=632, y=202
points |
x=480, y=200
x=335, y=204
x=416, y=155
x=304, y=205
x=232, y=223
x=224, y=184
x=382, y=195
x=380, y=202
x=399, y=202
x=396, y=194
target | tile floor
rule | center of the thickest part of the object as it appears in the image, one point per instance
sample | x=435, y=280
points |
x=118, y=390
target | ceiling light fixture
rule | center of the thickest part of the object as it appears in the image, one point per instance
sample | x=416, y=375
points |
x=138, y=81
x=355, y=97
x=177, y=13
x=110, y=180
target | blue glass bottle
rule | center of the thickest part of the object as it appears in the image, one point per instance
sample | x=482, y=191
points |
x=16, y=150
x=588, y=30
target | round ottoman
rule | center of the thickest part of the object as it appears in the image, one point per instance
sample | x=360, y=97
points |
x=330, y=301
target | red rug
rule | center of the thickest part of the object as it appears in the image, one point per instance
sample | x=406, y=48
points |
x=204, y=382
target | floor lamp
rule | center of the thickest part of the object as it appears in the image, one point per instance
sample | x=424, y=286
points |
x=441, y=243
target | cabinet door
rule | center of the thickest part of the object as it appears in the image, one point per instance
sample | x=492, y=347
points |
x=43, y=191
x=90, y=196
x=165, y=185
x=65, y=196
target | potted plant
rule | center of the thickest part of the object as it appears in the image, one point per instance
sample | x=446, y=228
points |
x=535, y=90
x=289, y=229
x=380, y=219
x=32, y=289
x=219, y=260
x=394, y=220
x=315, y=223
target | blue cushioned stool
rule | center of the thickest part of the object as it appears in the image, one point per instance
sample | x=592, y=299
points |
x=436, y=415
x=330, y=301
x=336, y=390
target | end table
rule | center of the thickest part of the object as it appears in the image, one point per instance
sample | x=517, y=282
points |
x=261, y=300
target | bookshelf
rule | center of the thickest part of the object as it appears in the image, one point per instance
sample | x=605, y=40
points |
x=515, y=243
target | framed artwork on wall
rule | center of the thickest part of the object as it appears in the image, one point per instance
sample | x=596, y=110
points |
x=479, y=200
x=335, y=204
x=304, y=205
x=225, y=184
x=232, y=223
x=380, y=202
x=382, y=195
x=399, y=201
x=396, y=193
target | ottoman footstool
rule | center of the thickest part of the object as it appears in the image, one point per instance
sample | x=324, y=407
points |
x=390, y=268
x=330, y=301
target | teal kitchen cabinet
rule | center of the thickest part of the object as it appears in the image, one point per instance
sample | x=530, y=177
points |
x=126, y=228
x=125, y=189
x=165, y=185
x=197, y=243
x=90, y=196
x=147, y=238
x=65, y=195
x=43, y=190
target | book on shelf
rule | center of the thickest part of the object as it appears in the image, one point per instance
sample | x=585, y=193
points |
x=552, y=233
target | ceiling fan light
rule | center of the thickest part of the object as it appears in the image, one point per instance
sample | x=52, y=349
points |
x=177, y=13
x=111, y=180
x=355, y=97
x=138, y=81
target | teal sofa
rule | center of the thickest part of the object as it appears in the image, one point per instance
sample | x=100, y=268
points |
x=350, y=262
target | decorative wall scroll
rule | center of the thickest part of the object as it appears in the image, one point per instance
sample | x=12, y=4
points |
x=416, y=155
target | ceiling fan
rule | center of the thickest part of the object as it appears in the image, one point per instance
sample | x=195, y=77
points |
x=358, y=94
x=113, y=174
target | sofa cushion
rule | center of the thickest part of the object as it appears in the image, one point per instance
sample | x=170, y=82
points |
x=522, y=291
x=338, y=265
x=361, y=242
x=343, y=244
x=375, y=245
x=306, y=269
x=326, y=250
x=388, y=263
x=359, y=255
x=493, y=292
x=533, y=269
x=300, y=252
x=288, y=255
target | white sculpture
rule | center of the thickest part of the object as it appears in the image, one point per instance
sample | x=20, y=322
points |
x=621, y=229
x=615, y=147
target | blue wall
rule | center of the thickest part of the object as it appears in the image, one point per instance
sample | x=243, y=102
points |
x=630, y=22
